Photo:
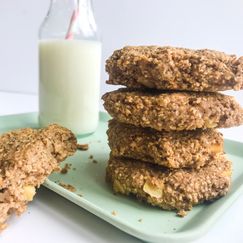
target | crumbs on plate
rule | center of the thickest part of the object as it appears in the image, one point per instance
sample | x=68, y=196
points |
x=94, y=161
x=83, y=147
x=65, y=169
x=68, y=187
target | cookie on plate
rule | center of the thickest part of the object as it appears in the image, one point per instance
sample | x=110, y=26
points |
x=178, y=190
x=175, y=111
x=28, y=156
x=171, y=68
x=169, y=149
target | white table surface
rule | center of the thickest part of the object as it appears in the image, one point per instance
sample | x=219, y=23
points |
x=51, y=218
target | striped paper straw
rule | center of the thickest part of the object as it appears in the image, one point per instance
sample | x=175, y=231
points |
x=69, y=35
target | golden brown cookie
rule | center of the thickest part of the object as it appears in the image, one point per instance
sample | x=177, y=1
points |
x=179, y=189
x=169, y=149
x=173, y=110
x=171, y=68
x=28, y=156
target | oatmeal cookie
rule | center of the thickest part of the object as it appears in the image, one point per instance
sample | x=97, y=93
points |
x=27, y=157
x=178, y=189
x=169, y=149
x=173, y=110
x=171, y=68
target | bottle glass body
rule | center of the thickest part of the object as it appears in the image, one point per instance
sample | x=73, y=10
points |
x=69, y=67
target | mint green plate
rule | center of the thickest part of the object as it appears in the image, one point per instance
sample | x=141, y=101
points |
x=87, y=175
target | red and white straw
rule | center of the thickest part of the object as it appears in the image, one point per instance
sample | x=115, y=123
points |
x=69, y=35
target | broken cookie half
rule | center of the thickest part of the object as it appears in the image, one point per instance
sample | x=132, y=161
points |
x=27, y=157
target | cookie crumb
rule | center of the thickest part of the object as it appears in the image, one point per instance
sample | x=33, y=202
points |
x=114, y=213
x=65, y=169
x=68, y=187
x=57, y=169
x=140, y=220
x=91, y=157
x=83, y=147
x=182, y=213
x=95, y=161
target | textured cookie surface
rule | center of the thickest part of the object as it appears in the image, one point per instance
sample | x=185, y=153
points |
x=27, y=157
x=170, y=149
x=170, y=189
x=170, y=68
x=173, y=110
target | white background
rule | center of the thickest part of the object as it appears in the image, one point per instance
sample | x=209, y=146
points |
x=216, y=24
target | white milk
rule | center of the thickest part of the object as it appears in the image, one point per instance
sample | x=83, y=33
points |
x=69, y=84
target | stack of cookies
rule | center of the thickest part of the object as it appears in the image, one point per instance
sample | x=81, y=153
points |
x=165, y=148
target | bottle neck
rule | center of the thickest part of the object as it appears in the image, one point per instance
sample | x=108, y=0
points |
x=75, y=17
x=70, y=4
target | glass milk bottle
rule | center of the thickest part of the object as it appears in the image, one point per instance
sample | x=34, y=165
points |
x=69, y=67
